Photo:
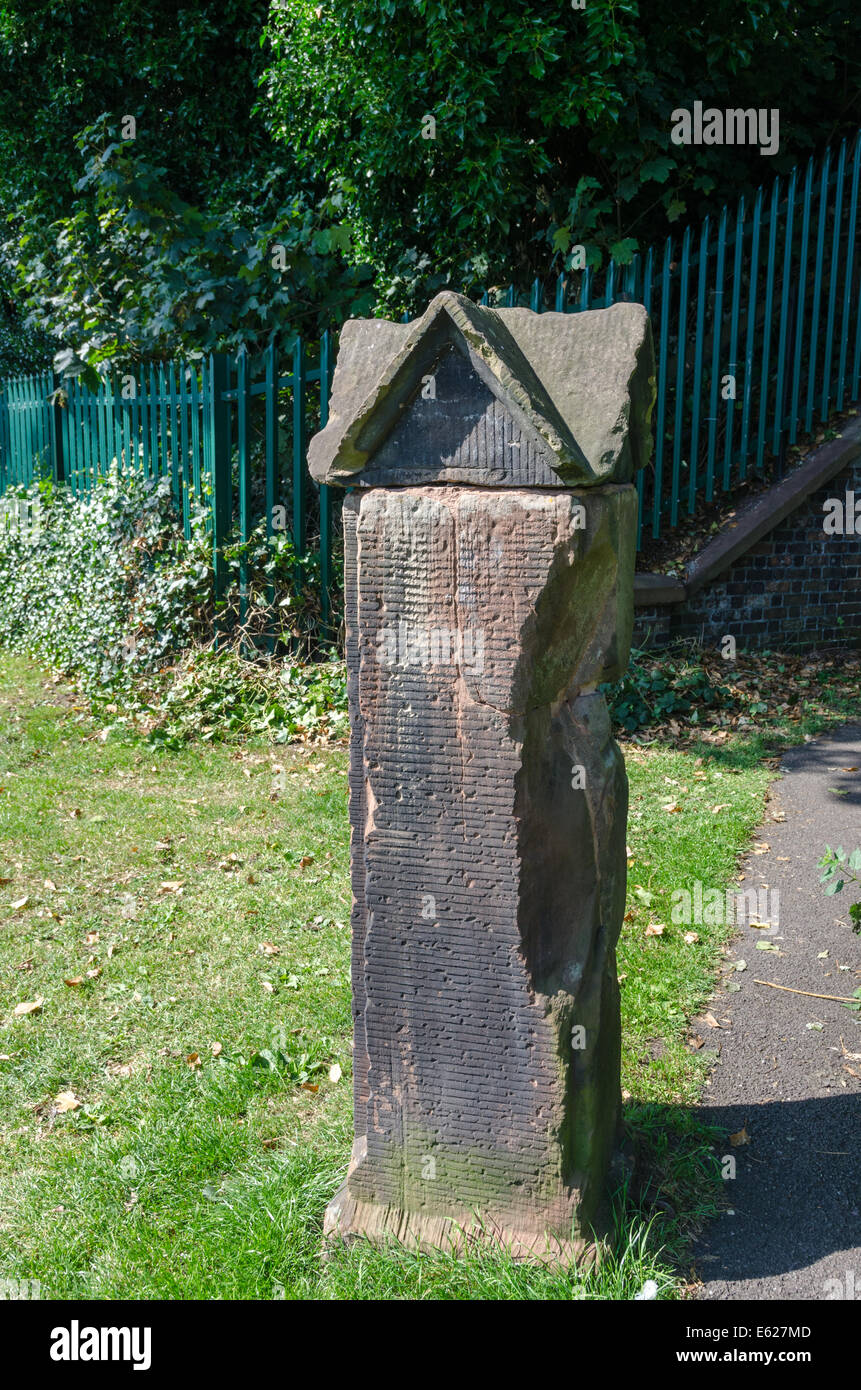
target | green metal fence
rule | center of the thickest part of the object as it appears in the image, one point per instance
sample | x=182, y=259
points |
x=757, y=324
x=229, y=432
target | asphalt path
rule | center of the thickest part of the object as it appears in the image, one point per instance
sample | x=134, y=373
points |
x=787, y=1074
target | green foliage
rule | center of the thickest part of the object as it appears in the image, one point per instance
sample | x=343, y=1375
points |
x=222, y=696
x=552, y=123
x=187, y=75
x=652, y=691
x=108, y=589
x=136, y=272
x=21, y=350
x=105, y=587
x=841, y=868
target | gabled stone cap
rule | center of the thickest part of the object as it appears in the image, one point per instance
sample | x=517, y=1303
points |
x=582, y=384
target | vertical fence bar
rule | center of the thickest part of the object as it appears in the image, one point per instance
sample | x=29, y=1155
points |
x=610, y=285
x=154, y=468
x=806, y=199
x=87, y=436
x=185, y=468
x=641, y=472
x=785, y=305
x=850, y=265
x=4, y=436
x=144, y=425
x=817, y=291
x=750, y=342
x=662, y=388
x=163, y=457
x=52, y=384
x=270, y=449
x=120, y=418
x=219, y=444
x=717, y=333
x=585, y=300
x=300, y=517
x=194, y=405
x=136, y=458
x=699, y=337
x=732, y=364
x=832, y=282
x=173, y=434
x=767, y=324
x=243, y=439
x=100, y=425
x=325, y=496
x=681, y=353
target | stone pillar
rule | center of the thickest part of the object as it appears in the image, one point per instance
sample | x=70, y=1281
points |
x=489, y=556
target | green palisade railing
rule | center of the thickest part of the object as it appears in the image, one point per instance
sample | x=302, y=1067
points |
x=768, y=294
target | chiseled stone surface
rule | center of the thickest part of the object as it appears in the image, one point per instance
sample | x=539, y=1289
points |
x=580, y=387
x=489, y=562
x=488, y=885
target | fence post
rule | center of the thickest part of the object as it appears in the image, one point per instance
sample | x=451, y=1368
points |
x=325, y=497
x=55, y=431
x=243, y=439
x=218, y=425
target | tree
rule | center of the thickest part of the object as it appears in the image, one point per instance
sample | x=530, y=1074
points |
x=148, y=211
x=484, y=141
x=134, y=272
x=187, y=73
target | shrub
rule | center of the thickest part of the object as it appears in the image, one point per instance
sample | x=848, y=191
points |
x=104, y=587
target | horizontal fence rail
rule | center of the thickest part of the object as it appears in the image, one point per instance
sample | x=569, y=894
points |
x=756, y=317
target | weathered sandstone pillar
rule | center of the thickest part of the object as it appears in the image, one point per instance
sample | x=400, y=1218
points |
x=490, y=533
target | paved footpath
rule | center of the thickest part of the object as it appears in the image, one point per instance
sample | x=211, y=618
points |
x=794, y=1219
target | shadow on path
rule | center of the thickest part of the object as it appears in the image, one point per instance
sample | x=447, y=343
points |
x=786, y=1070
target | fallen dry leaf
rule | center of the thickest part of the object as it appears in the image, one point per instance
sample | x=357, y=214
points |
x=19, y=905
x=671, y=807
x=269, y=949
x=170, y=885
x=740, y=1137
x=690, y=938
x=92, y=938
x=721, y=806
x=335, y=1072
x=193, y=1060
x=655, y=929
x=34, y=1007
x=78, y=980
x=306, y=1086
x=710, y=1019
x=216, y=1049
x=66, y=1101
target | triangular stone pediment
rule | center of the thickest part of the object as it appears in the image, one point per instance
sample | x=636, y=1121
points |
x=566, y=397
x=456, y=429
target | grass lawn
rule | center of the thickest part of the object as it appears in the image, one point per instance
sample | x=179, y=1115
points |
x=172, y=1118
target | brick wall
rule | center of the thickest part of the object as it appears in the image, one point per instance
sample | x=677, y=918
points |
x=795, y=588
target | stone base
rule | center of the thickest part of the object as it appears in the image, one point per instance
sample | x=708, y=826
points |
x=349, y=1218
